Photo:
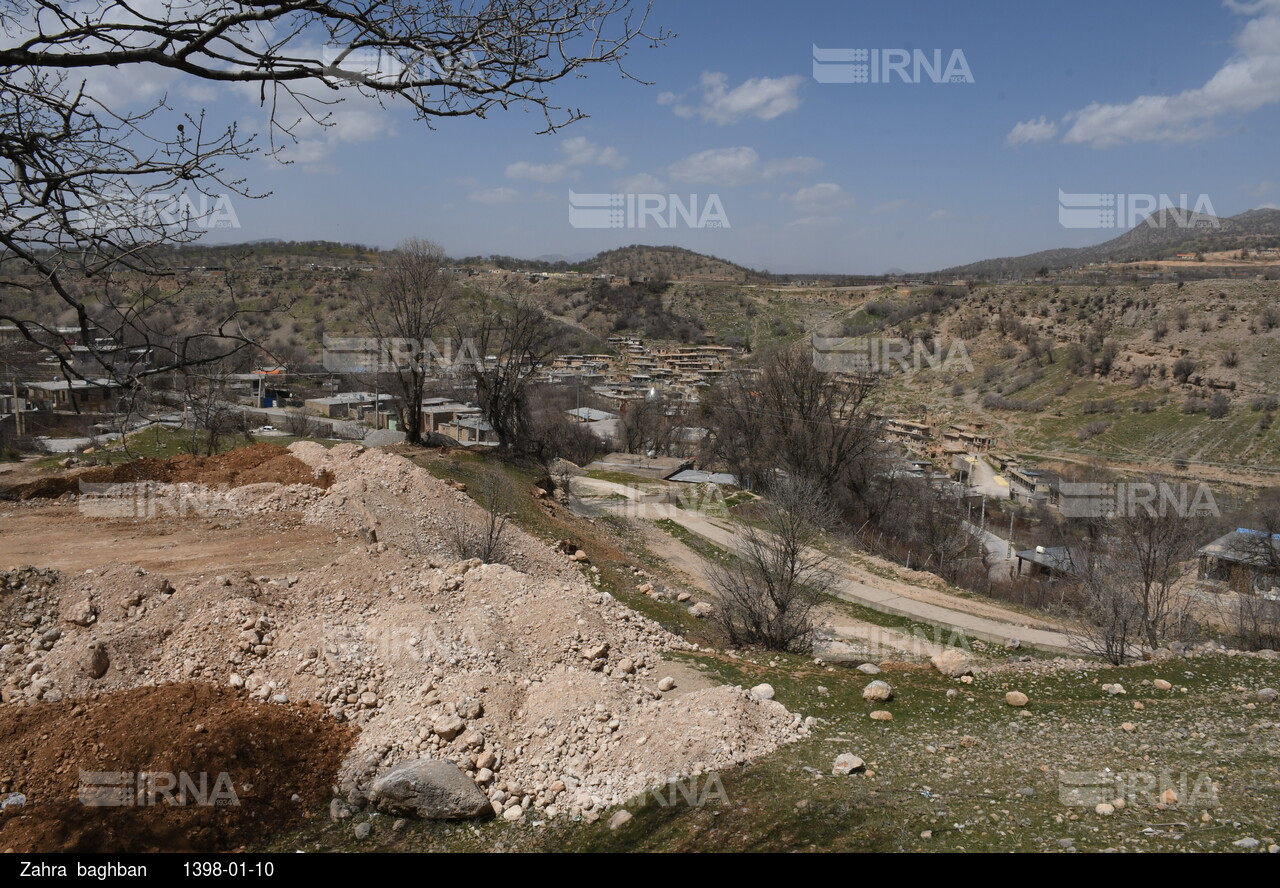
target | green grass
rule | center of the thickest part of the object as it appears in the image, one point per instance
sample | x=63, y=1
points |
x=1000, y=794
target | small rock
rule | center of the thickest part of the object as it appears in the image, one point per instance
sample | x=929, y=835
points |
x=878, y=691
x=1169, y=797
x=869, y=669
x=882, y=715
x=626, y=666
x=514, y=813
x=1248, y=842
x=847, y=763
x=1161, y=685
x=952, y=663
x=1128, y=727
x=667, y=684
x=619, y=819
x=1016, y=698
x=363, y=830
x=1268, y=695
x=448, y=727
x=762, y=692
x=1105, y=809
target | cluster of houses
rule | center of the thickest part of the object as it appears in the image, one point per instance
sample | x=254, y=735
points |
x=679, y=374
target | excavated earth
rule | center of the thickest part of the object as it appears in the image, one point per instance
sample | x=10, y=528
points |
x=537, y=684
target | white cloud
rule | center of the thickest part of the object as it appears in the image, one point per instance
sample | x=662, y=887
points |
x=641, y=183
x=539, y=172
x=718, y=166
x=1249, y=80
x=763, y=98
x=790, y=166
x=728, y=167
x=350, y=122
x=823, y=198
x=577, y=151
x=493, y=196
x=1260, y=189
x=1038, y=130
x=938, y=214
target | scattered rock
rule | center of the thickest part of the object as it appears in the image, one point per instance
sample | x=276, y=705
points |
x=1161, y=685
x=762, y=692
x=96, y=661
x=878, y=692
x=667, y=684
x=1016, y=698
x=1105, y=809
x=869, y=669
x=363, y=830
x=620, y=819
x=1268, y=695
x=448, y=727
x=847, y=763
x=882, y=715
x=428, y=788
x=952, y=663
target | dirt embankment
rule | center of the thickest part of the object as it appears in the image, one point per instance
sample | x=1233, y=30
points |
x=236, y=765
x=257, y=464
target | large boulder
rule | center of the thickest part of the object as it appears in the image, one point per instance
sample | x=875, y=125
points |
x=952, y=663
x=431, y=789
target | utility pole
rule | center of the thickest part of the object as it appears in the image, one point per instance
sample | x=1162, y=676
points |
x=1010, y=534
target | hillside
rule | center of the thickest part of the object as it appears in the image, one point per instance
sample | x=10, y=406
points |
x=1163, y=236
x=667, y=263
x=1163, y=375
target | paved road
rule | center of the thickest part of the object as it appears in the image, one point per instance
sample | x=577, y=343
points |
x=974, y=618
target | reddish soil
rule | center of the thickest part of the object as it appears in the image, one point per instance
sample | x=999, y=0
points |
x=268, y=753
x=255, y=464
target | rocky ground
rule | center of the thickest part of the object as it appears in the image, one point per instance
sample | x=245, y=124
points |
x=547, y=692
x=378, y=654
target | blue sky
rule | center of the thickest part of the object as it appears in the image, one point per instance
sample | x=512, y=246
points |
x=1171, y=97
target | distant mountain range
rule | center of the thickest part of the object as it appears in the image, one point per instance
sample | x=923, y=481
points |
x=1162, y=236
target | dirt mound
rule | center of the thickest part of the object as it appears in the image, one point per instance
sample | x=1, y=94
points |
x=543, y=687
x=256, y=464
x=236, y=766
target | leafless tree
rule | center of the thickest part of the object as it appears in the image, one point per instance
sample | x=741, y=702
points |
x=213, y=415
x=793, y=419
x=512, y=339
x=405, y=311
x=486, y=540
x=90, y=188
x=645, y=425
x=1150, y=546
x=1107, y=612
x=770, y=588
x=299, y=423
